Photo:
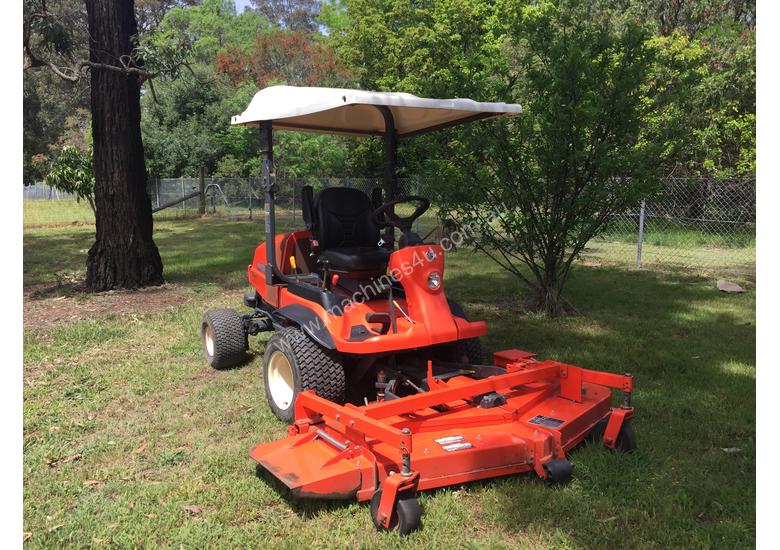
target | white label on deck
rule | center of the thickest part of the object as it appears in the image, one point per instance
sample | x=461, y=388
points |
x=457, y=446
x=448, y=440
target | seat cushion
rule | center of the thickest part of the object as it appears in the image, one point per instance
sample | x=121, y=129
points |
x=357, y=258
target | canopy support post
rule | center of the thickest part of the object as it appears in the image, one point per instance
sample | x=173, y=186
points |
x=390, y=178
x=268, y=183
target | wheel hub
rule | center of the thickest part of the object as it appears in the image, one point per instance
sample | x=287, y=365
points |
x=208, y=336
x=280, y=380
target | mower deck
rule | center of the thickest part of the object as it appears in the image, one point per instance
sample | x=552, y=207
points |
x=462, y=429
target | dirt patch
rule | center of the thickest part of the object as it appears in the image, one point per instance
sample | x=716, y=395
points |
x=47, y=304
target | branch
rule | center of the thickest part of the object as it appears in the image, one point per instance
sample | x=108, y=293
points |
x=125, y=68
x=72, y=74
x=76, y=72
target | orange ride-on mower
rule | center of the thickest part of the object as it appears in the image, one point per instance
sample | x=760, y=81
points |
x=379, y=375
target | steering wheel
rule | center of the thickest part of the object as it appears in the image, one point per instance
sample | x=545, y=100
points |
x=385, y=215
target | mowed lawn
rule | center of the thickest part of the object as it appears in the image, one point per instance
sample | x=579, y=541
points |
x=130, y=440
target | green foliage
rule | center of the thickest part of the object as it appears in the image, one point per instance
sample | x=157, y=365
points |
x=728, y=132
x=333, y=16
x=229, y=166
x=700, y=100
x=292, y=15
x=54, y=30
x=58, y=31
x=703, y=91
x=431, y=48
x=447, y=48
x=186, y=121
x=603, y=99
x=72, y=172
x=301, y=155
x=211, y=26
x=691, y=17
x=186, y=118
x=188, y=125
x=535, y=188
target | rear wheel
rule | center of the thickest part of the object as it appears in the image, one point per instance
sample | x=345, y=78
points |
x=223, y=338
x=293, y=363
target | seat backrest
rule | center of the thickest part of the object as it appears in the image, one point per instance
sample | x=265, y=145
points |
x=307, y=206
x=344, y=217
x=376, y=197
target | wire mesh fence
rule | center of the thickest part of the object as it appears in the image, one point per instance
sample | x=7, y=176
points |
x=697, y=224
x=693, y=223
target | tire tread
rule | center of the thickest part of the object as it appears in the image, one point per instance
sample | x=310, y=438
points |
x=320, y=369
x=230, y=339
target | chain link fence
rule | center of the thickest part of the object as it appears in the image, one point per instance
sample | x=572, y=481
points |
x=697, y=224
x=693, y=223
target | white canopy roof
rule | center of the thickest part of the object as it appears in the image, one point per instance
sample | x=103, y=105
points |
x=355, y=112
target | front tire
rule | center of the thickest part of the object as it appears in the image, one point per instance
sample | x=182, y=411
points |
x=463, y=352
x=469, y=351
x=293, y=363
x=223, y=338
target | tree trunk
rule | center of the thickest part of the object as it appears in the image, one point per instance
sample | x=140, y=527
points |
x=546, y=296
x=124, y=254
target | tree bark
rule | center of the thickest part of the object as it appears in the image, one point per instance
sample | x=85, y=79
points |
x=124, y=254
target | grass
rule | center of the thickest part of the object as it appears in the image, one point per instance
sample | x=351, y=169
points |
x=680, y=234
x=131, y=441
x=43, y=212
x=710, y=249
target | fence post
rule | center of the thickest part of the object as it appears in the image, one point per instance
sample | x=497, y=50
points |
x=249, y=188
x=641, y=237
x=417, y=192
x=181, y=180
x=294, y=182
x=202, y=201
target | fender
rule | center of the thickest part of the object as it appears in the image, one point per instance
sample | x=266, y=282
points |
x=309, y=322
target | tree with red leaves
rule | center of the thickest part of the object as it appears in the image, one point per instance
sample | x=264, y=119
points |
x=291, y=57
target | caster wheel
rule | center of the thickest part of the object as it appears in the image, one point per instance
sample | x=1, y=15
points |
x=558, y=471
x=626, y=439
x=406, y=515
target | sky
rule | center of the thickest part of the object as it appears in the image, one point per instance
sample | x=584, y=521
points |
x=240, y=5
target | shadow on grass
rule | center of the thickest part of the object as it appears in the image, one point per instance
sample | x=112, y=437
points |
x=692, y=352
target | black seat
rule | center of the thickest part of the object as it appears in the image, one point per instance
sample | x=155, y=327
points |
x=346, y=232
x=357, y=258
